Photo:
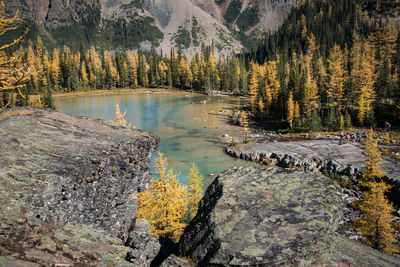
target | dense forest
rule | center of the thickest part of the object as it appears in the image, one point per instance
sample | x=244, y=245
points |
x=336, y=61
x=85, y=69
x=330, y=65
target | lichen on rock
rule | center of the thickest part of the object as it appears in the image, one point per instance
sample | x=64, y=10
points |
x=67, y=184
x=271, y=217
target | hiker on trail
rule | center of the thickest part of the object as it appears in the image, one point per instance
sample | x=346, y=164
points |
x=348, y=137
x=358, y=136
x=388, y=127
x=341, y=134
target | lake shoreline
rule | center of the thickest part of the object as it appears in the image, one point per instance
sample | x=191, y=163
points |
x=104, y=92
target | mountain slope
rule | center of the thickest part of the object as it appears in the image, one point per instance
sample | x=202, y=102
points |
x=250, y=16
x=182, y=21
x=228, y=24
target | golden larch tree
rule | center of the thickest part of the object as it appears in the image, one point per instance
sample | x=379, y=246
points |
x=336, y=79
x=183, y=72
x=111, y=69
x=195, y=190
x=376, y=221
x=84, y=75
x=373, y=164
x=311, y=99
x=55, y=67
x=13, y=74
x=290, y=110
x=253, y=86
x=362, y=76
x=133, y=62
x=162, y=69
x=164, y=205
x=120, y=116
x=271, y=85
x=365, y=77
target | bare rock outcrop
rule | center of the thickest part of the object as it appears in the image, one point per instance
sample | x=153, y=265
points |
x=264, y=217
x=273, y=217
x=318, y=155
x=68, y=190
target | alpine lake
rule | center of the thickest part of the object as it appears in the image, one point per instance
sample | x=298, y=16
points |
x=190, y=126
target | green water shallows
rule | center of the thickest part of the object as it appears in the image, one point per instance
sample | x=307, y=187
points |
x=188, y=127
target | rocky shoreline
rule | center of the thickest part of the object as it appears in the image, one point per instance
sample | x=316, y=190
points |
x=315, y=156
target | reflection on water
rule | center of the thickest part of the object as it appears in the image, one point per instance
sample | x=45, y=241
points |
x=188, y=129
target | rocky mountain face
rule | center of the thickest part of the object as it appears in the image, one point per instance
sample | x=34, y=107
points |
x=227, y=24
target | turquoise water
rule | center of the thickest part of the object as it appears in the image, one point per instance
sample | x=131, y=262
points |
x=189, y=130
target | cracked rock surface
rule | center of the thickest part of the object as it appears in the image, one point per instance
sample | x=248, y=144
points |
x=271, y=217
x=68, y=187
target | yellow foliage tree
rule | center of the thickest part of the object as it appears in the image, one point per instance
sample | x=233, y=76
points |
x=290, y=110
x=335, y=90
x=195, y=191
x=296, y=112
x=310, y=94
x=120, y=116
x=376, y=221
x=164, y=205
x=132, y=60
x=363, y=76
x=253, y=86
x=111, y=69
x=35, y=101
x=55, y=67
x=183, y=72
x=272, y=84
x=84, y=75
x=162, y=68
x=13, y=74
x=373, y=164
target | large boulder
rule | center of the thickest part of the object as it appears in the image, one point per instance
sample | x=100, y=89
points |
x=273, y=217
x=264, y=216
x=68, y=189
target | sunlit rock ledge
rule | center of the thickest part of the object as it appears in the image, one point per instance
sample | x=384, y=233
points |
x=68, y=187
x=273, y=217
